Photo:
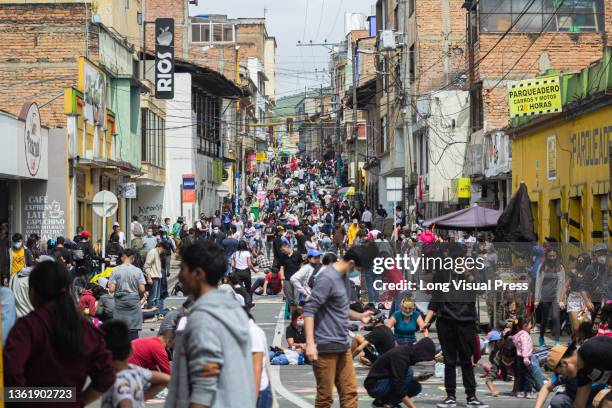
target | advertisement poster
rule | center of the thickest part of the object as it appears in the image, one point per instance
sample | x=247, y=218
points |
x=94, y=87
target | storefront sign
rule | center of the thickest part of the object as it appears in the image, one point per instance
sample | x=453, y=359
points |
x=534, y=96
x=164, y=58
x=464, y=185
x=551, y=157
x=188, y=188
x=93, y=84
x=32, y=138
x=44, y=216
x=590, y=145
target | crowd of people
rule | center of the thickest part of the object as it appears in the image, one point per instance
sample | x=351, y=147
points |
x=71, y=312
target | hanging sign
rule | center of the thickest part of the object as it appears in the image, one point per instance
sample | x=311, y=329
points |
x=164, y=58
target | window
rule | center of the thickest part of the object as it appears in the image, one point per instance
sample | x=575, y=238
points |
x=412, y=56
x=383, y=134
x=207, y=113
x=476, y=107
x=221, y=32
x=153, y=135
x=542, y=15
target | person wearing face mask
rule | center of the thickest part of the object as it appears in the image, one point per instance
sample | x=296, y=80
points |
x=575, y=298
x=405, y=322
x=295, y=335
x=596, y=277
x=550, y=293
x=149, y=241
x=20, y=257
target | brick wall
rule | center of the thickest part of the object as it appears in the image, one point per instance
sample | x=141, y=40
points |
x=440, y=27
x=41, y=45
x=176, y=9
x=560, y=51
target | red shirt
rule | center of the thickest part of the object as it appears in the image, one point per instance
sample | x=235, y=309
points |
x=274, y=283
x=88, y=301
x=30, y=359
x=150, y=353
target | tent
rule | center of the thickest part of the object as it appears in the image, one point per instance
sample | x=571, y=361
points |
x=472, y=218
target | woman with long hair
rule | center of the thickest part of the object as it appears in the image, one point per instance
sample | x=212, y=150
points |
x=242, y=262
x=550, y=293
x=54, y=345
x=576, y=298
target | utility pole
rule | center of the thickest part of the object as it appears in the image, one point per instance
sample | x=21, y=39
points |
x=407, y=109
x=355, y=132
x=320, y=119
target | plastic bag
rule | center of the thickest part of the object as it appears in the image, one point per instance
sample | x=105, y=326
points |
x=439, y=370
x=292, y=356
x=280, y=359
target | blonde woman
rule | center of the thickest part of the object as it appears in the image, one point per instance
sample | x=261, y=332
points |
x=406, y=322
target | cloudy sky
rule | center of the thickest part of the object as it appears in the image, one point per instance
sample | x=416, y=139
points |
x=291, y=21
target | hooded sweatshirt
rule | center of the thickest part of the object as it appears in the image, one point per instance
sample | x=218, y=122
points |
x=216, y=331
x=394, y=364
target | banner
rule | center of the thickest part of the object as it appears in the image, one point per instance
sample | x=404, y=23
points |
x=534, y=96
x=188, y=191
x=92, y=82
x=164, y=58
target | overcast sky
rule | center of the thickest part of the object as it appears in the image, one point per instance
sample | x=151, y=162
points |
x=291, y=21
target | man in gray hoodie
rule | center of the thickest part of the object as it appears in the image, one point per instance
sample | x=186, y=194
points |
x=212, y=364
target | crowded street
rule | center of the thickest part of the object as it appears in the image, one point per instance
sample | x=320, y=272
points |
x=306, y=203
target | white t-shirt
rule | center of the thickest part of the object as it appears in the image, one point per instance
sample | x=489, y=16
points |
x=259, y=344
x=129, y=385
x=242, y=259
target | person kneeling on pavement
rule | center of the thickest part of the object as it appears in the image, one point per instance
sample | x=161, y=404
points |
x=392, y=379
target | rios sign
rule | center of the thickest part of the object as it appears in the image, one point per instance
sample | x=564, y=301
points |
x=164, y=58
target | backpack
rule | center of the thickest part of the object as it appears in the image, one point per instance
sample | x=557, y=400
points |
x=328, y=218
x=313, y=276
x=138, y=230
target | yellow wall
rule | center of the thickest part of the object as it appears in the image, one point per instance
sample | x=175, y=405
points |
x=114, y=14
x=582, y=176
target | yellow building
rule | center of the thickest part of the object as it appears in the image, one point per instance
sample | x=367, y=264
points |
x=564, y=159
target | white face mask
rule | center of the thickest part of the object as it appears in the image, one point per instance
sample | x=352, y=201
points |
x=602, y=259
x=300, y=323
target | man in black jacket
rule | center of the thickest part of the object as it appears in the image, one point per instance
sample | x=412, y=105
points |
x=456, y=327
x=391, y=379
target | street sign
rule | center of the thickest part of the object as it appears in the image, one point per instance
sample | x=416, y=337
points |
x=126, y=190
x=104, y=203
x=534, y=96
x=189, y=188
x=164, y=58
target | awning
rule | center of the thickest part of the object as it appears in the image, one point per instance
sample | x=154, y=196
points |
x=473, y=218
x=365, y=94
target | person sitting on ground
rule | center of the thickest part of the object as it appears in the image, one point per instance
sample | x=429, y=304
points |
x=87, y=300
x=134, y=384
x=271, y=284
x=106, y=301
x=294, y=333
x=376, y=343
x=406, y=321
x=152, y=352
x=392, y=378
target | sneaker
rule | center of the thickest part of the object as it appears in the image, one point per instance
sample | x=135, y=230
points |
x=475, y=402
x=530, y=395
x=449, y=402
x=520, y=394
x=542, y=342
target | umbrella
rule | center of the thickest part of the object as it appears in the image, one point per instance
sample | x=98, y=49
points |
x=472, y=218
x=347, y=191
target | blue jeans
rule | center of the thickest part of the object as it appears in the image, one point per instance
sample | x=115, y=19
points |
x=382, y=388
x=265, y=398
x=154, y=293
x=259, y=284
x=370, y=277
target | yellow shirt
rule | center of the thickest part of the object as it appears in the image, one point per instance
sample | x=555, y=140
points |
x=18, y=262
x=352, y=233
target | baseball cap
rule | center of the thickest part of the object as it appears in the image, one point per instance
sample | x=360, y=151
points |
x=600, y=247
x=555, y=355
x=313, y=253
x=86, y=234
x=115, y=224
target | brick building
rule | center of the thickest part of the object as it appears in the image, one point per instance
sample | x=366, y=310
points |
x=506, y=43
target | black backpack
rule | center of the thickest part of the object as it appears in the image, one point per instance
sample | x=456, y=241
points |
x=328, y=218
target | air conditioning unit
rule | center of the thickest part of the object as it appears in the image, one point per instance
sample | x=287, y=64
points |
x=387, y=40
